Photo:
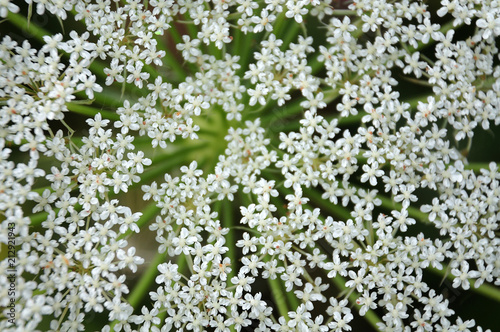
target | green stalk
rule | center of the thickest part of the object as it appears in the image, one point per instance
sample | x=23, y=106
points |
x=315, y=65
x=292, y=299
x=485, y=290
x=109, y=98
x=140, y=290
x=477, y=167
x=245, y=44
x=279, y=300
x=350, y=120
x=92, y=111
x=336, y=209
x=175, y=35
x=291, y=34
x=37, y=219
x=192, y=29
x=344, y=12
x=279, y=23
x=280, y=113
x=488, y=291
x=212, y=49
x=27, y=27
x=236, y=42
x=227, y=221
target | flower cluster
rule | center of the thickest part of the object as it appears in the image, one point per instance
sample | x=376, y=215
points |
x=295, y=184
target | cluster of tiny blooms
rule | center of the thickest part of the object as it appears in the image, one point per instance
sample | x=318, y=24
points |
x=76, y=263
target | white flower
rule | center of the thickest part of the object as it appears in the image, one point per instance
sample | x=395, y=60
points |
x=168, y=273
x=296, y=10
x=462, y=276
x=278, y=134
x=258, y=94
x=406, y=195
x=129, y=259
x=264, y=22
x=138, y=161
x=371, y=173
x=136, y=75
x=490, y=24
x=6, y=6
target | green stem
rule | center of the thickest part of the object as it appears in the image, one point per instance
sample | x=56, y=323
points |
x=192, y=29
x=489, y=291
x=279, y=23
x=336, y=209
x=27, y=27
x=92, y=111
x=350, y=120
x=146, y=280
x=291, y=34
x=344, y=12
x=245, y=44
x=37, y=219
x=477, y=167
x=485, y=290
x=227, y=221
x=279, y=299
x=236, y=42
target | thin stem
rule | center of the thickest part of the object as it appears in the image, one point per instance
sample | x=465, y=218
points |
x=277, y=292
x=344, y=12
x=228, y=222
